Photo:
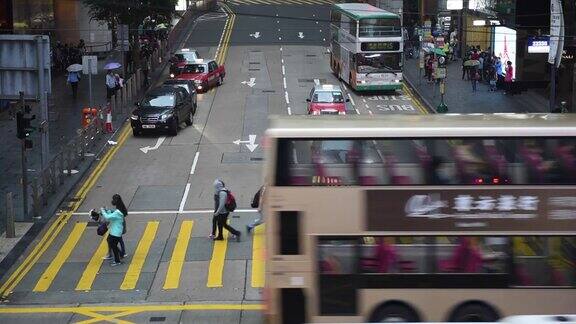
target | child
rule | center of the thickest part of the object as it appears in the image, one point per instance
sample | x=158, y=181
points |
x=493, y=80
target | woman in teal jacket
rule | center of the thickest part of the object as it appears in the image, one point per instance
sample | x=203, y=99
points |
x=115, y=220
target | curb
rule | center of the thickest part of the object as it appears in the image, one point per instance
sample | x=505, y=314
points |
x=428, y=104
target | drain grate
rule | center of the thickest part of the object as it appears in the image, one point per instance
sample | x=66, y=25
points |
x=256, y=51
x=269, y=91
x=311, y=55
x=157, y=319
x=256, y=159
x=253, y=69
x=253, y=62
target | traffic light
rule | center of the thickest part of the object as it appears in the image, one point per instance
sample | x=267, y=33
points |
x=23, y=123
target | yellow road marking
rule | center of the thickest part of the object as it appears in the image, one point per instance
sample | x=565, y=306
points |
x=217, y=261
x=59, y=223
x=133, y=273
x=258, y=257
x=178, y=256
x=126, y=308
x=93, y=266
x=97, y=317
x=228, y=33
x=50, y=273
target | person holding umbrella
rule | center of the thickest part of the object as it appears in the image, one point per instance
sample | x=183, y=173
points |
x=74, y=78
x=111, y=83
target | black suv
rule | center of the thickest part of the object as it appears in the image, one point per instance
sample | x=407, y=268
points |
x=162, y=108
x=190, y=88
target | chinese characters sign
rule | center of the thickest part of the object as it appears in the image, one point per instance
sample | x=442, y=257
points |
x=527, y=210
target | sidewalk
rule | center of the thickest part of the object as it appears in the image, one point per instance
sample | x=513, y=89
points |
x=459, y=96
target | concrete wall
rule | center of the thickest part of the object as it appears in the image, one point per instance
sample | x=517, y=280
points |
x=73, y=23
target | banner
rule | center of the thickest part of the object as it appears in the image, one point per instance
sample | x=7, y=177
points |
x=556, y=32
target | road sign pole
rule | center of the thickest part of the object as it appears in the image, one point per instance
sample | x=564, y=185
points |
x=24, y=167
x=42, y=95
x=90, y=89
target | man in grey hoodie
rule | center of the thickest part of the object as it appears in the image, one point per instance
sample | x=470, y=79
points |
x=220, y=217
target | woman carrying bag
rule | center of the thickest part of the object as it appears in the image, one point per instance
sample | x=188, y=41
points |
x=115, y=219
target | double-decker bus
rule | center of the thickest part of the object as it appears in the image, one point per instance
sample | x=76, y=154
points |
x=366, y=46
x=420, y=218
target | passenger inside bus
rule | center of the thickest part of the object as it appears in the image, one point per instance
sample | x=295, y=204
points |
x=466, y=258
x=385, y=258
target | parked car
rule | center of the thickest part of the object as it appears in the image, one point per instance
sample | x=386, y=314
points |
x=190, y=89
x=181, y=58
x=326, y=99
x=204, y=73
x=163, y=108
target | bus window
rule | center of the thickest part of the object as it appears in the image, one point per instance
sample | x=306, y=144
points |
x=471, y=255
x=374, y=27
x=544, y=261
x=378, y=62
x=393, y=255
x=337, y=256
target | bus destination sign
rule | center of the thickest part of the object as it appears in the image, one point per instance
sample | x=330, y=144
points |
x=379, y=46
x=525, y=210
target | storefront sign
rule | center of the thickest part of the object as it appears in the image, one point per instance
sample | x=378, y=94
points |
x=539, y=44
x=454, y=4
x=525, y=210
x=556, y=32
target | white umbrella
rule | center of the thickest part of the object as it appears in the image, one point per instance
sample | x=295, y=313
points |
x=74, y=68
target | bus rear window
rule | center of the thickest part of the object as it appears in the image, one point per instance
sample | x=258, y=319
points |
x=426, y=161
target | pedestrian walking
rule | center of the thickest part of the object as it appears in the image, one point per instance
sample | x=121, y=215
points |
x=116, y=220
x=257, y=202
x=224, y=203
x=508, y=77
x=119, y=204
x=110, y=84
x=475, y=78
x=73, y=79
x=498, y=67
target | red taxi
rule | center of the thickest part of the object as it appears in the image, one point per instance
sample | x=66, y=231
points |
x=181, y=58
x=204, y=73
x=326, y=99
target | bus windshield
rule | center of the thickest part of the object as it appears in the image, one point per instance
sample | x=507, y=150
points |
x=378, y=63
x=377, y=27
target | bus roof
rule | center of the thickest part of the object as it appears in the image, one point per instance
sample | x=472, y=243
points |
x=364, y=10
x=437, y=125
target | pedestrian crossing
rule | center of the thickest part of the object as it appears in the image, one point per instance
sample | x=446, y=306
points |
x=148, y=240
x=280, y=2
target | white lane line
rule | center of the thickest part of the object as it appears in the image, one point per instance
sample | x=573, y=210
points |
x=289, y=111
x=286, y=97
x=357, y=111
x=351, y=100
x=364, y=99
x=282, y=61
x=193, y=169
x=184, y=197
x=283, y=69
x=370, y=111
x=151, y=212
x=284, y=81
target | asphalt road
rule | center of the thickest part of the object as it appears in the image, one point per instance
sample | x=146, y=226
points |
x=174, y=273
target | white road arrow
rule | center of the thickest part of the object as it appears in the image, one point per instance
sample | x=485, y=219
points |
x=249, y=143
x=250, y=83
x=155, y=147
x=300, y=35
x=256, y=35
x=71, y=171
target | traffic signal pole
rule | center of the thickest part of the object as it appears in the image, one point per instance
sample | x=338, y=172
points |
x=24, y=168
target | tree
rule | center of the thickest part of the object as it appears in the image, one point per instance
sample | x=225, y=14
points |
x=130, y=12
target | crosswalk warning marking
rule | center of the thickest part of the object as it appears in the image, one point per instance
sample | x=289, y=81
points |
x=217, y=261
x=133, y=273
x=89, y=274
x=258, y=257
x=63, y=254
x=178, y=256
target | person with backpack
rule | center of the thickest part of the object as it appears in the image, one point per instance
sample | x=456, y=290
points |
x=257, y=202
x=224, y=204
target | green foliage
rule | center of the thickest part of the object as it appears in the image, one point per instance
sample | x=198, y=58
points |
x=130, y=12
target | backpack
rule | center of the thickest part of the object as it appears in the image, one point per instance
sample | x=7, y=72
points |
x=230, y=204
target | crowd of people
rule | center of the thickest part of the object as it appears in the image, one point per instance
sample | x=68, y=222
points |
x=483, y=66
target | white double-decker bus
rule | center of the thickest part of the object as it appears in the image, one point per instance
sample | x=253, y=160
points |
x=366, y=46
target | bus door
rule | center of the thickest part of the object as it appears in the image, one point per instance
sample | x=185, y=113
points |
x=345, y=59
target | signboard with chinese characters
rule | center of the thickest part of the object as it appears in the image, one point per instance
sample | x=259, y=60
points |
x=538, y=44
x=502, y=210
x=379, y=46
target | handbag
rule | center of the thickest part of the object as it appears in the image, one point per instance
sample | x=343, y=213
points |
x=102, y=229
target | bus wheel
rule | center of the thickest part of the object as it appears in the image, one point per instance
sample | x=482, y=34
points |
x=394, y=313
x=474, y=312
